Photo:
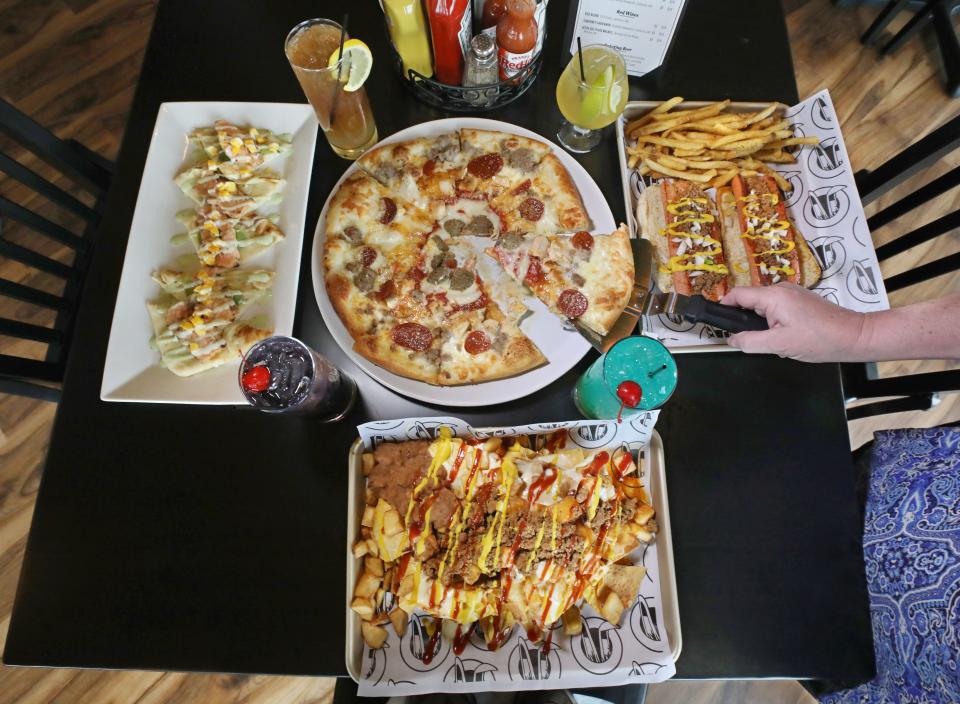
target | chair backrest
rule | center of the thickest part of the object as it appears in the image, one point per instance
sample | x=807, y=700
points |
x=46, y=225
x=911, y=161
x=915, y=391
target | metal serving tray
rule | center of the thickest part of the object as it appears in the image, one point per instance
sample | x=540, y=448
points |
x=632, y=182
x=653, y=471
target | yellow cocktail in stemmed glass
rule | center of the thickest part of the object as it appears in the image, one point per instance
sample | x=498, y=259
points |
x=591, y=94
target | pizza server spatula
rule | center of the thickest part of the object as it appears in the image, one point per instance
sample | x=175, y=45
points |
x=646, y=301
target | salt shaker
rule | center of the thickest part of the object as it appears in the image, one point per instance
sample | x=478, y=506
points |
x=481, y=68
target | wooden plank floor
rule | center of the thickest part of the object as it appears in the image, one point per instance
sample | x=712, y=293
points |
x=73, y=65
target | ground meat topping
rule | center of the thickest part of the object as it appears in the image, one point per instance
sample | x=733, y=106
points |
x=352, y=234
x=480, y=226
x=397, y=467
x=365, y=280
x=511, y=240
x=461, y=279
x=521, y=159
x=439, y=274
x=454, y=227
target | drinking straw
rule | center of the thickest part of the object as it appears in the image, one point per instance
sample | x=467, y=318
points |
x=583, y=76
x=343, y=35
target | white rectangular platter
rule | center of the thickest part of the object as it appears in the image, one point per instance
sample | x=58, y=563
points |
x=664, y=626
x=132, y=371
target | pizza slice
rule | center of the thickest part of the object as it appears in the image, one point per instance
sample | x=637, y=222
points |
x=584, y=277
x=195, y=321
x=423, y=171
x=547, y=201
x=497, y=161
x=364, y=212
x=372, y=252
x=484, y=345
x=408, y=346
x=477, y=341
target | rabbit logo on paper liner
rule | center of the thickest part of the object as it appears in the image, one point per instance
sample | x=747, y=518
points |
x=826, y=206
x=862, y=282
x=384, y=431
x=709, y=333
x=427, y=430
x=591, y=435
x=860, y=232
x=421, y=651
x=374, y=664
x=644, y=669
x=798, y=131
x=480, y=643
x=470, y=670
x=645, y=626
x=830, y=254
x=821, y=112
x=598, y=649
x=675, y=323
x=387, y=604
x=828, y=294
x=528, y=661
x=825, y=160
x=792, y=112
x=795, y=180
x=642, y=422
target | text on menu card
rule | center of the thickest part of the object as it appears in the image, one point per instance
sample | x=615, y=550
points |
x=640, y=30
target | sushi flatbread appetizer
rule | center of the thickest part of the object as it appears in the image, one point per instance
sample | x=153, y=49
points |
x=196, y=321
x=236, y=151
x=228, y=242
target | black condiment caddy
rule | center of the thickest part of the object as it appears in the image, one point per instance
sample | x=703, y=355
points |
x=467, y=98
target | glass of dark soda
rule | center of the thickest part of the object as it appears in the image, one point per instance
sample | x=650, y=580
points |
x=283, y=375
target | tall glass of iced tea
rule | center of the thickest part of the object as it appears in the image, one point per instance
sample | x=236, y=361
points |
x=342, y=107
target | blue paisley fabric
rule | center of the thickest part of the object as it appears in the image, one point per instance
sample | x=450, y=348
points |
x=911, y=545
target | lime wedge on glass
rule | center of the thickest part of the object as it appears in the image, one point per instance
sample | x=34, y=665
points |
x=357, y=63
x=598, y=96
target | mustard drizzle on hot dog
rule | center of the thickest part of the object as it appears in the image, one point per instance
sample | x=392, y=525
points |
x=766, y=229
x=686, y=213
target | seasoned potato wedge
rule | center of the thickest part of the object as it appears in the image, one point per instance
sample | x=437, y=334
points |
x=399, y=619
x=373, y=636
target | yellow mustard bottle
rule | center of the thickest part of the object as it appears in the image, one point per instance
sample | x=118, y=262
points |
x=408, y=29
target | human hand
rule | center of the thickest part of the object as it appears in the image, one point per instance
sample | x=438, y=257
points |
x=803, y=325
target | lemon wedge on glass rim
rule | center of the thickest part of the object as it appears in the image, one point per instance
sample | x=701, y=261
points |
x=356, y=66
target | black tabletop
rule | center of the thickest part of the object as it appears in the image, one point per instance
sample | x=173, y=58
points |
x=213, y=538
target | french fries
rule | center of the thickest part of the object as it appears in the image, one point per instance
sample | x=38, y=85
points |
x=709, y=145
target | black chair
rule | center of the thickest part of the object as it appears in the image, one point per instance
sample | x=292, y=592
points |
x=90, y=173
x=939, y=13
x=860, y=381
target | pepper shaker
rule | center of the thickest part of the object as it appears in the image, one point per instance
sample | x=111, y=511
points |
x=481, y=69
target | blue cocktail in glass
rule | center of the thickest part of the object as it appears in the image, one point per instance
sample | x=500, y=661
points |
x=637, y=374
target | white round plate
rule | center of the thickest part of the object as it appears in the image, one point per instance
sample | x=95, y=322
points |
x=563, y=348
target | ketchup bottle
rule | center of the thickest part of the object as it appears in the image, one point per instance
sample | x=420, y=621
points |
x=493, y=10
x=516, y=37
x=450, y=32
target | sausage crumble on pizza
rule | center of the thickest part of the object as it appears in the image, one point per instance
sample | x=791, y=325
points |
x=401, y=268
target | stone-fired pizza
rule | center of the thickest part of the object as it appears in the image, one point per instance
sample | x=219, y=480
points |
x=488, y=534
x=401, y=265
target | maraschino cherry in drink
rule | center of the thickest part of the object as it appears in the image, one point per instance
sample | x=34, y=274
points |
x=283, y=375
